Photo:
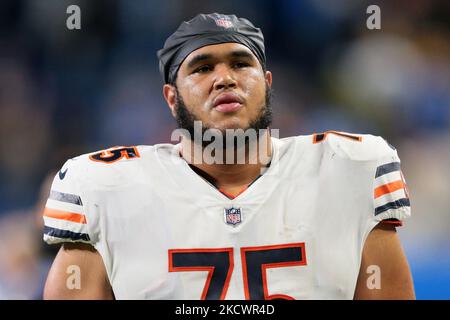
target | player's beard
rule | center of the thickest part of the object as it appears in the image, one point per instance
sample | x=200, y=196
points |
x=185, y=118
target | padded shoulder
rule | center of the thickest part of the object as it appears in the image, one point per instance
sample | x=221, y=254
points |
x=363, y=147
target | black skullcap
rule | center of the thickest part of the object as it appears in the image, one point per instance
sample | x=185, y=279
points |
x=208, y=29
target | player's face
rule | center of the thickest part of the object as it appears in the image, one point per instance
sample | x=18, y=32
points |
x=222, y=85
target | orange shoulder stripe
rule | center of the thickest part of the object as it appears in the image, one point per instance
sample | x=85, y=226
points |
x=388, y=188
x=64, y=215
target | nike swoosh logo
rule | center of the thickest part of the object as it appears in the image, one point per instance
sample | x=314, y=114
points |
x=62, y=174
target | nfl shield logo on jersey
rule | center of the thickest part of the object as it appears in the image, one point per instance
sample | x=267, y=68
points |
x=233, y=216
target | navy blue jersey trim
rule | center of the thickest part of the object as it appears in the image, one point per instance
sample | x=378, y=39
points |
x=65, y=234
x=404, y=202
x=65, y=197
x=387, y=168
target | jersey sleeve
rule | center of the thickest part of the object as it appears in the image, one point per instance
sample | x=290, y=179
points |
x=65, y=216
x=391, y=202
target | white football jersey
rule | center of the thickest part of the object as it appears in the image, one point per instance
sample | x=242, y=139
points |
x=297, y=232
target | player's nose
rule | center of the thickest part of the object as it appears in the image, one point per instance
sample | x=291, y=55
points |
x=224, y=78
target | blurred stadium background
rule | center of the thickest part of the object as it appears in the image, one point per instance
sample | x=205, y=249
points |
x=64, y=93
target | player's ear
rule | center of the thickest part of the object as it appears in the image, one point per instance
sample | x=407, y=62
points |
x=268, y=76
x=170, y=94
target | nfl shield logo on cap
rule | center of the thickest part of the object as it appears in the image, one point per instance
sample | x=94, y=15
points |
x=222, y=20
x=233, y=216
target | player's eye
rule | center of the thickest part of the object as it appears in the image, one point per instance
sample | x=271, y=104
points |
x=240, y=65
x=203, y=69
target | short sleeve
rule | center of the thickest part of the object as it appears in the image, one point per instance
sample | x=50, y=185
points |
x=390, y=194
x=64, y=214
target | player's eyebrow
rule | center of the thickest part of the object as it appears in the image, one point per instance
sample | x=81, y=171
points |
x=198, y=58
x=241, y=54
x=207, y=56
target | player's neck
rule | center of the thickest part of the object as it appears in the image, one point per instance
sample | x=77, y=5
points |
x=229, y=175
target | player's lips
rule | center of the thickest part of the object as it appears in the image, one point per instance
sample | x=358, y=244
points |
x=227, y=102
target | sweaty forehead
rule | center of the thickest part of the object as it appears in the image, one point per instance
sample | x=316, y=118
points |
x=218, y=51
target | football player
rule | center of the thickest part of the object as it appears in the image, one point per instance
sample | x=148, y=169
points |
x=315, y=219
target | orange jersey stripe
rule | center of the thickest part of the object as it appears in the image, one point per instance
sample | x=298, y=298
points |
x=63, y=215
x=229, y=195
x=388, y=188
x=396, y=223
